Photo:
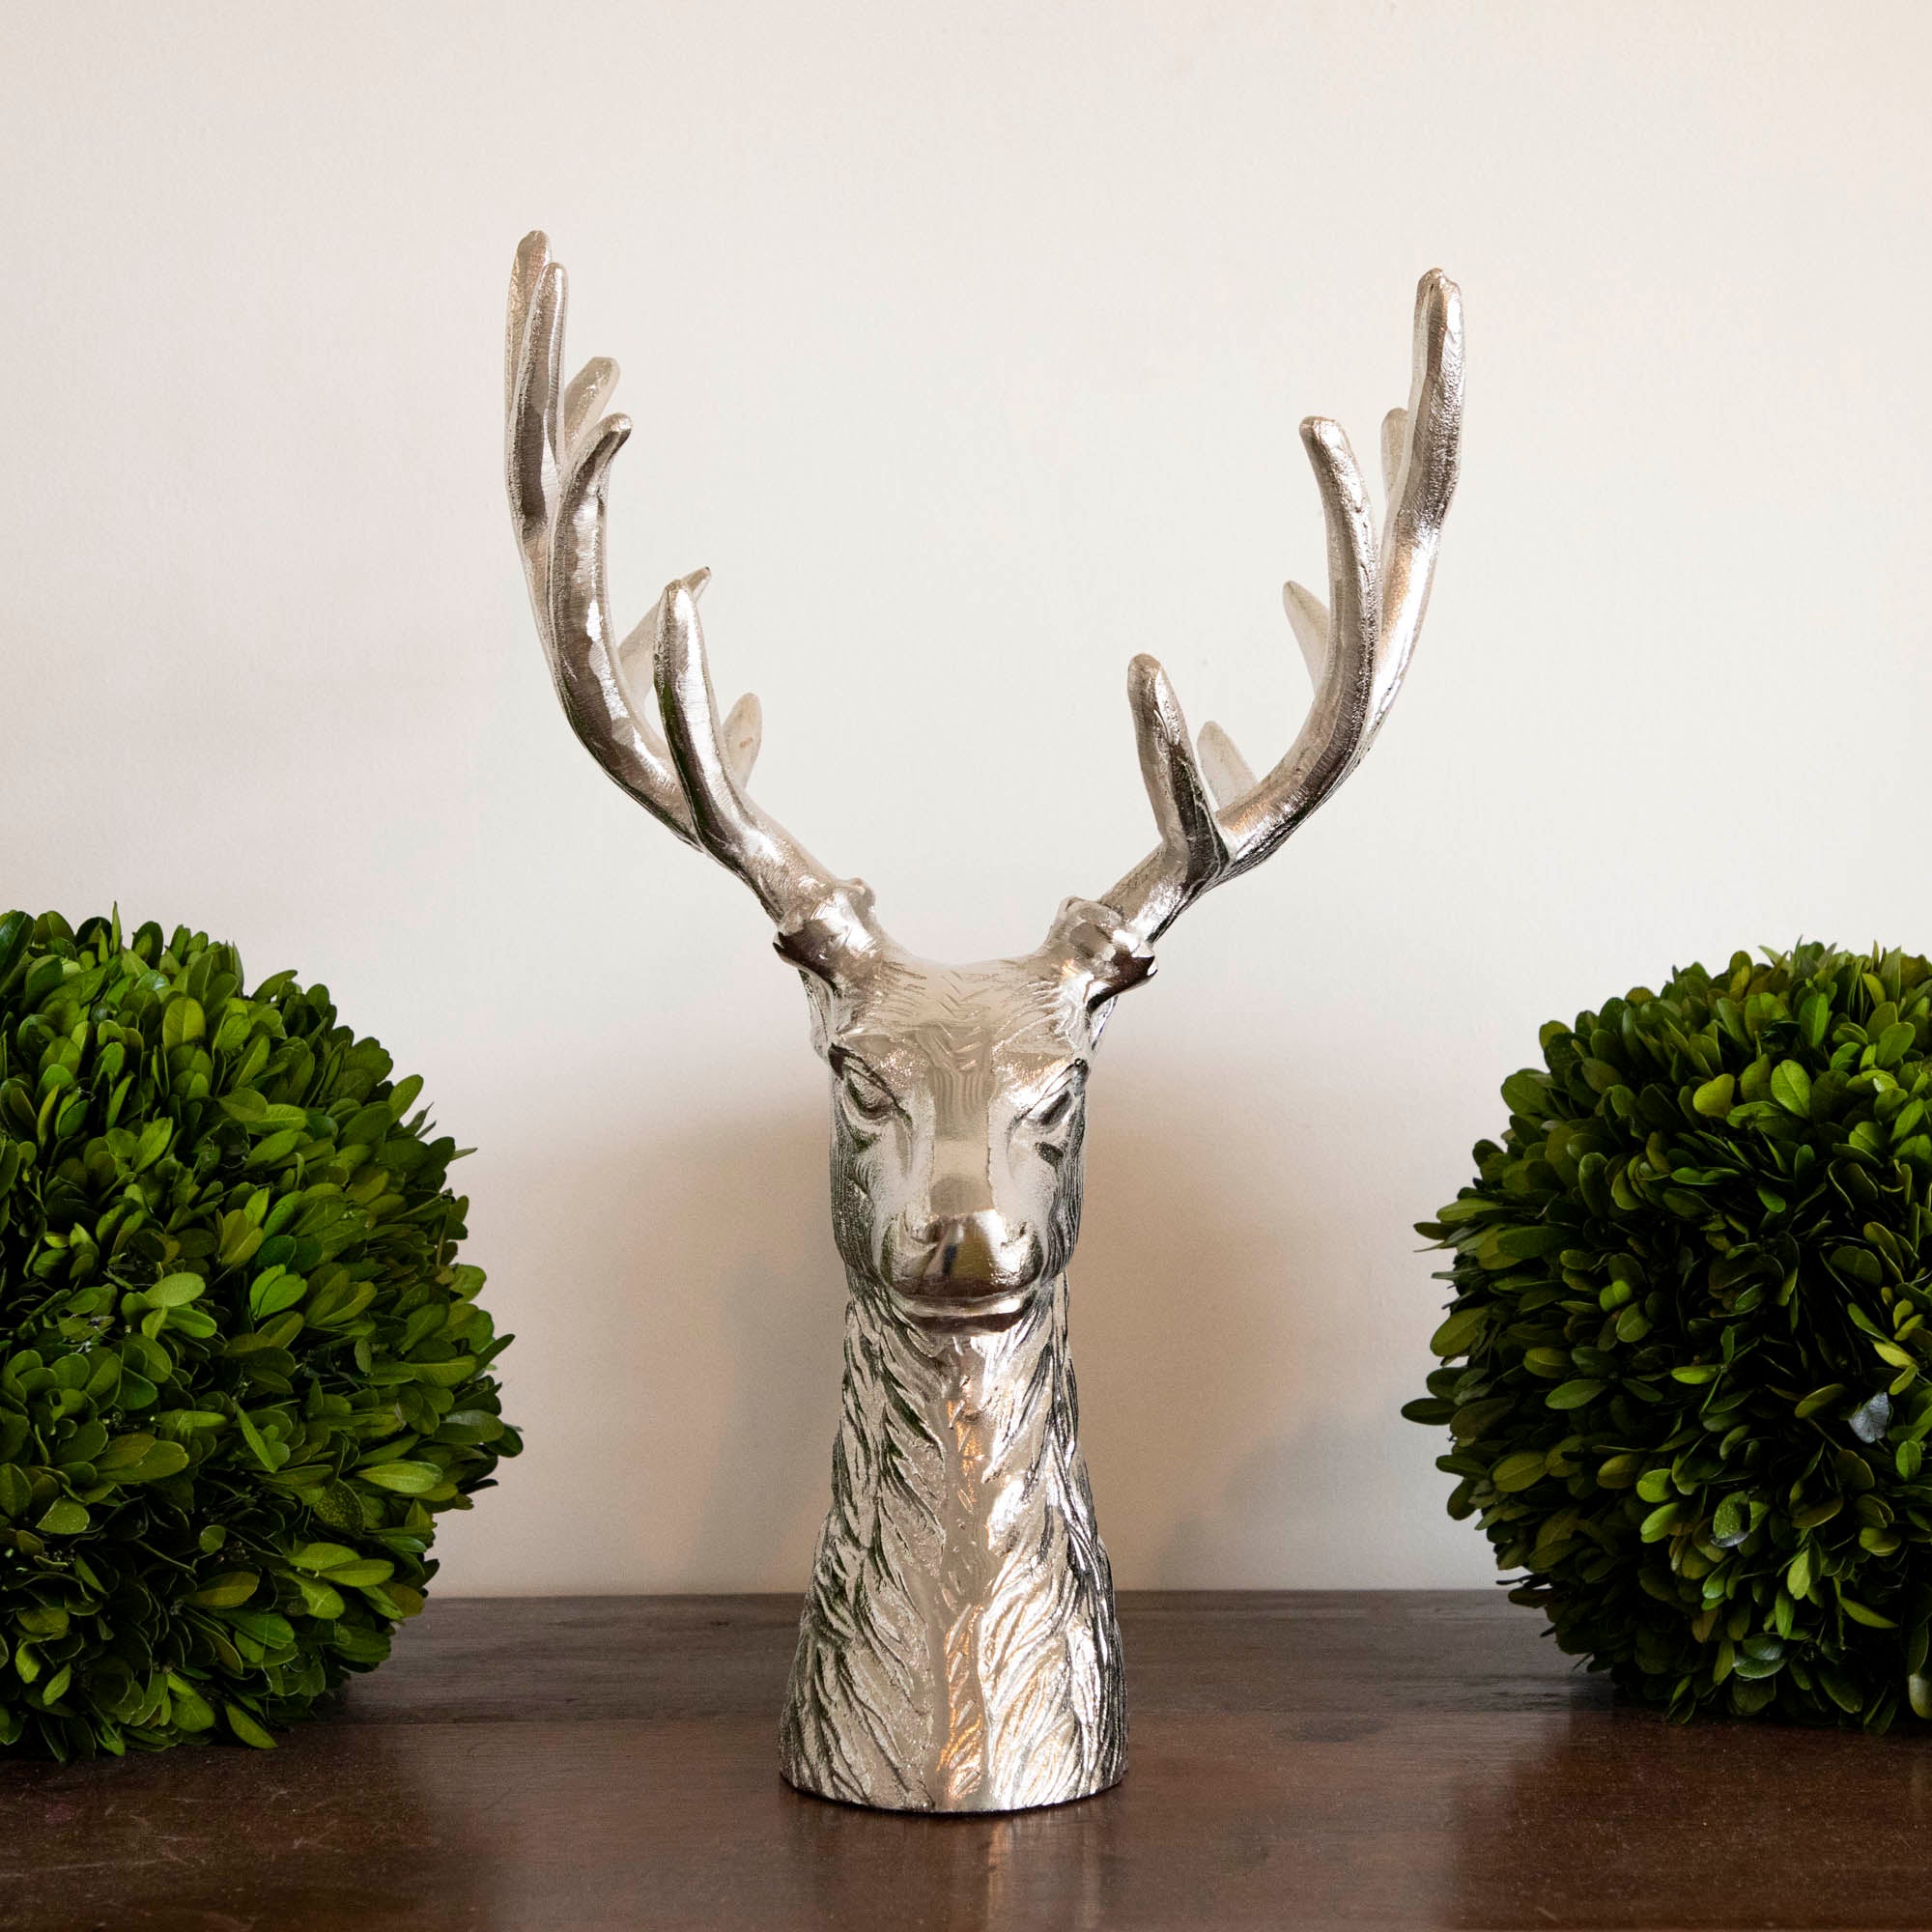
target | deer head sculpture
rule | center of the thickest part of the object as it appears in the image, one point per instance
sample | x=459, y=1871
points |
x=958, y=1648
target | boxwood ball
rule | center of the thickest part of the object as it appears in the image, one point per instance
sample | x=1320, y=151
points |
x=1683, y=1365
x=241, y=1369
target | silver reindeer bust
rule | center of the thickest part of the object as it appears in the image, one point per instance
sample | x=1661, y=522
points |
x=959, y=1650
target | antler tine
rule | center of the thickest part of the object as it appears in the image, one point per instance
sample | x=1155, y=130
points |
x=1432, y=433
x=744, y=736
x=1228, y=773
x=1192, y=850
x=735, y=830
x=1334, y=733
x=1356, y=648
x=533, y=345
x=558, y=466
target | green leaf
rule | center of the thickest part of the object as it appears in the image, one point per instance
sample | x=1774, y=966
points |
x=270, y=1454
x=450, y=1373
x=322, y=1555
x=1632, y=1325
x=263, y=1627
x=164, y=1460
x=1513, y=1472
x=16, y=931
x=246, y=1728
x=1791, y=1088
x=1827, y=1397
x=239, y=1240
x=1458, y=1334
x=1730, y=1522
x=476, y=1425
x=182, y=1022
x=273, y=1289
x=362, y=1573
x=1654, y=1486
x=1527, y=1092
x=277, y=1147
x=175, y=1290
x=123, y=1452
x=1841, y=1691
x=1859, y=1613
x=1530, y=1244
x=192, y=1712
x=1574, y=1394
x=367, y=1126
x=1893, y=1043
x=319, y=1599
x=408, y=1479
x=1814, y=1019
x=1661, y=1521
x=63, y=1518
x=1715, y=1096
x=275, y=1333
x=223, y=1592
x=16, y=1490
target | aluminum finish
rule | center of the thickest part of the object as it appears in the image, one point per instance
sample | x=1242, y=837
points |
x=959, y=1650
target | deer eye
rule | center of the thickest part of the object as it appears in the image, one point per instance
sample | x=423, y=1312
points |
x=867, y=1095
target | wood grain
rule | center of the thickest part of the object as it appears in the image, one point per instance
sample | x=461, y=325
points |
x=1379, y=1760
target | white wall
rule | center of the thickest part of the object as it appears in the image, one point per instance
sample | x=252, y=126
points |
x=967, y=345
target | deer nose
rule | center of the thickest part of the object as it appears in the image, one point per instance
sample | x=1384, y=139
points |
x=971, y=1253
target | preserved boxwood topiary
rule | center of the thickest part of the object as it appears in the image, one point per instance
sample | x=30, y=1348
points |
x=240, y=1369
x=1691, y=1291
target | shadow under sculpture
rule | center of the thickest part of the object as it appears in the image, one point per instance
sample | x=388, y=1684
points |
x=959, y=1650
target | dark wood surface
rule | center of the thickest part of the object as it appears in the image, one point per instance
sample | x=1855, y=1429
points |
x=1404, y=1759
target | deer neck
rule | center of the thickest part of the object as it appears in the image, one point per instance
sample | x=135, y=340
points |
x=959, y=1649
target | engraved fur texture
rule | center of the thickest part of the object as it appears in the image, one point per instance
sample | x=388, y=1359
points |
x=959, y=1649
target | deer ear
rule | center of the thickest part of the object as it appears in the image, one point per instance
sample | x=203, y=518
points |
x=1105, y=957
x=835, y=940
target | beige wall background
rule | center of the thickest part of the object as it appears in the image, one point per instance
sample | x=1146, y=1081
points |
x=967, y=345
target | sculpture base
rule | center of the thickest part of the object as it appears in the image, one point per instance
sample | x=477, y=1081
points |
x=860, y=1734
x=979, y=1804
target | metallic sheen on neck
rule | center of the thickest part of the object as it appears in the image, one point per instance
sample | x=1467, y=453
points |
x=959, y=1650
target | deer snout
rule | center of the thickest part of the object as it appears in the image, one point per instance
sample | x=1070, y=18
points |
x=972, y=1255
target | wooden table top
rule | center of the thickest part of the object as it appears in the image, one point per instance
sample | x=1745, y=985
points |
x=1399, y=1759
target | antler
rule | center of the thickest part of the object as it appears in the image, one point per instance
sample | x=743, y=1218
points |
x=693, y=778
x=1215, y=819
x=1356, y=651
